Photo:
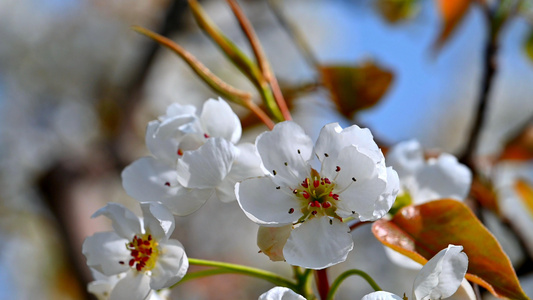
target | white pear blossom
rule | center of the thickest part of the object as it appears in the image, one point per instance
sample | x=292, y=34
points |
x=425, y=180
x=103, y=285
x=442, y=277
x=138, y=251
x=280, y=293
x=353, y=182
x=194, y=157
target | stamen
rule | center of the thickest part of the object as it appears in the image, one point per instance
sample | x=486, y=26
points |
x=167, y=183
x=299, y=151
x=291, y=210
x=121, y=262
x=330, y=222
x=337, y=169
x=206, y=135
x=305, y=194
x=326, y=205
x=305, y=183
x=314, y=213
x=285, y=163
x=353, y=179
x=274, y=172
x=326, y=155
x=278, y=187
x=353, y=212
x=180, y=153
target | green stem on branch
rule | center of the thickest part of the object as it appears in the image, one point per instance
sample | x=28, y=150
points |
x=225, y=268
x=335, y=285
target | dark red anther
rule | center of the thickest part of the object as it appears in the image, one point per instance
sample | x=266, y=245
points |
x=316, y=183
x=146, y=243
x=149, y=237
x=132, y=261
x=326, y=180
x=131, y=245
x=314, y=212
x=121, y=262
x=295, y=191
x=337, y=169
x=167, y=183
x=305, y=194
x=138, y=267
x=326, y=205
x=134, y=253
x=291, y=210
x=206, y=135
x=145, y=259
x=305, y=183
x=180, y=153
x=335, y=196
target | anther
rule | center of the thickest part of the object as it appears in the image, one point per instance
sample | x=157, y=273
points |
x=285, y=163
x=295, y=191
x=180, y=153
x=330, y=222
x=121, y=262
x=274, y=172
x=149, y=237
x=291, y=210
x=278, y=187
x=167, y=183
x=305, y=194
x=298, y=151
x=206, y=135
x=326, y=155
x=326, y=205
x=138, y=267
x=326, y=180
x=132, y=261
x=337, y=169
x=314, y=213
x=353, y=179
x=353, y=212
x=305, y=183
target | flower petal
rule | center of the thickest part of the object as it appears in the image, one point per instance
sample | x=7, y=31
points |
x=271, y=241
x=125, y=223
x=219, y=120
x=407, y=158
x=441, y=178
x=186, y=201
x=135, y=286
x=318, y=243
x=381, y=295
x=265, y=204
x=149, y=179
x=158, y=220
x=207, y=166
x=360, y=184
x=332, y=139
x=442, y=275
x=464, y=292
x=280, y=293
x=104, y=251
x=171, y=265
x=285, y=151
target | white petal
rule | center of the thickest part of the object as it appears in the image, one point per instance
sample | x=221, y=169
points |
x=442, y=178
x=386, y=200
x=163, y=138
x=381, y=295
x=464, y=292
x=441, y=275
x=271, y=241
x=176, y=109
x=407, y=158
x=158, y=220
x=280, y=293
x=264, y=204
x=360, y=198
x=219, y=120
x=333, y=139
x=171, y=265
x=149, y=179
x=135, y=286
x=104, y=251
x=186, y=201
x=246, y=165
x=207, y=166
x=279, y=151
x=125, y=222
x=318, y=243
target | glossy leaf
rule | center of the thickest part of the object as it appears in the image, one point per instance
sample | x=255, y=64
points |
x=421, y=231
x=484, y=193
x=214, y=82
x=354, y=88
x=525, y=190
x=394, y=11
x=452, y=13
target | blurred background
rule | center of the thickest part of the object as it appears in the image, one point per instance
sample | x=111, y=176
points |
x=78, y=86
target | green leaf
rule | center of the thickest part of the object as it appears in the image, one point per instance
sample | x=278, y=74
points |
x=421, y=231
x=394, y=11
x=356, y=87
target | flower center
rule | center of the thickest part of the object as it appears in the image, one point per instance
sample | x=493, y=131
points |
x=317, y=196
x=144, y=252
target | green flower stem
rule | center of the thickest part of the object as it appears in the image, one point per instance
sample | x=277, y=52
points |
x=335, y=285
x=223, y=268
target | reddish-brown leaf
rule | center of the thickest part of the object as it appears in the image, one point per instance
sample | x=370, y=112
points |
x=452, y=13
x=421, y=231
x=520, y=147
x=525, y=191
x=355, y=88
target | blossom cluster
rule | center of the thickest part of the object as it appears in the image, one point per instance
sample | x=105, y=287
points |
x=303, y=196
